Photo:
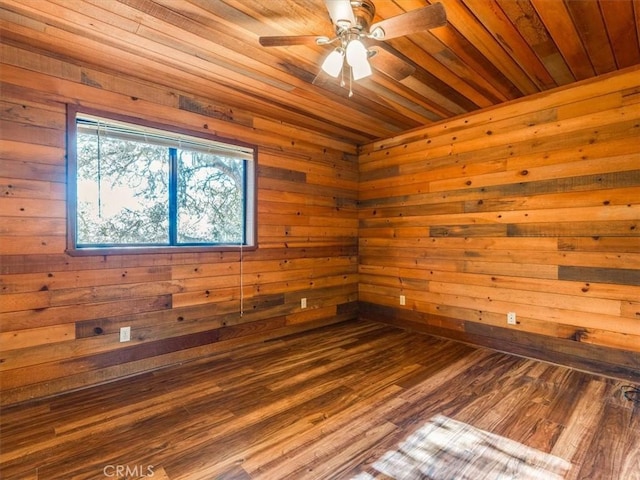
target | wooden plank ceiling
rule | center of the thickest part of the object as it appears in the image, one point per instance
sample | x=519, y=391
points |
x=491, y=51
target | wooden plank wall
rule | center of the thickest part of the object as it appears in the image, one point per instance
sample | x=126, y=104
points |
x=60, y=316
x=531, y=207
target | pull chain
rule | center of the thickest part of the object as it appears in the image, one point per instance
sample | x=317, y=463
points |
x=99, y=173
x=241, y=281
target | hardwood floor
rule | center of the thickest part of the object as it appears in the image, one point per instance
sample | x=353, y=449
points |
x=322, y=404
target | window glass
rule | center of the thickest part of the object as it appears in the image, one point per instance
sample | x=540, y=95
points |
x=123, y=190
x=136, y=185
x=206, y=218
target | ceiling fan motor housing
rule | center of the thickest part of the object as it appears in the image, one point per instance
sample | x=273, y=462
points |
x=363, y=11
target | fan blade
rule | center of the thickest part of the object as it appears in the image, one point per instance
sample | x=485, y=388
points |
x=414, y=21
x=391, y=65
x=340, y=11
x=284, y=41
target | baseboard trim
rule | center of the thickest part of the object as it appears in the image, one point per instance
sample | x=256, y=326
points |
x=595, y=359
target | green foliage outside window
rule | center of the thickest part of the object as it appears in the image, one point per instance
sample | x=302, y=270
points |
x=141, y=187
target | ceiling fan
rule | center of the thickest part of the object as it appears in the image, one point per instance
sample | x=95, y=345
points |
x=358, y=41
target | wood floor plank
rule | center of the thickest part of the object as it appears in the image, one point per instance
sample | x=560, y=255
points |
x=216, y=457
x=605, y=454
x=270, y=457
x=321, y=404
x=581, y=425
x=335, y=454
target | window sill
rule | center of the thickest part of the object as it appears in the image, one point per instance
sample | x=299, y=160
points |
x=150, y=250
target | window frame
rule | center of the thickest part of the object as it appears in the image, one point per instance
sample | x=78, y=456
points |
x=250, y=227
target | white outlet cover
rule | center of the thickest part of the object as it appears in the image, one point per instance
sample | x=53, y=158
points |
x=125, y=334
x=403, y=300
x=303, y=303
x=511, y=318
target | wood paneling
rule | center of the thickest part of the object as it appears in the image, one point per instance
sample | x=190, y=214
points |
x=60, y=315
x=488, y=53
x=531, y=207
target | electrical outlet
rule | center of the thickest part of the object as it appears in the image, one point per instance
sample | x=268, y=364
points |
x=511, y=318
x=403, y=300
x=125, y=334
x=303, y=303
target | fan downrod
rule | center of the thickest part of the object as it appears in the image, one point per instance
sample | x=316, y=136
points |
x=363, y=11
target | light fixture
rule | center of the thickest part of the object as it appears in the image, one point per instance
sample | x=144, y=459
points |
x=355, y=30
x=332, y=65
x=358, y=59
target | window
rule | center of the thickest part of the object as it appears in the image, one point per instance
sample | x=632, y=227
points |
x=140, y=186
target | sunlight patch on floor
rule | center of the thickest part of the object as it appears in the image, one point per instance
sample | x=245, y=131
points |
x=445, y=449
